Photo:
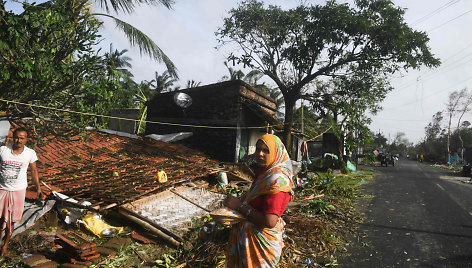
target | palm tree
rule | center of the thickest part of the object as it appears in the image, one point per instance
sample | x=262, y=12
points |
x=233, y=74
x=163, y=83
x=143, y=95
x=192, y=83
x=137, y=38
x=116, y=62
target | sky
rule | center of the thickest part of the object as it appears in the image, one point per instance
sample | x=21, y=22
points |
x=186, y=35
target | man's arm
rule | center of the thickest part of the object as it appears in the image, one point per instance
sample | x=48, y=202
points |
x=34, y=173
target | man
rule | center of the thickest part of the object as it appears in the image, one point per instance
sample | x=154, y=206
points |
x=14, y=162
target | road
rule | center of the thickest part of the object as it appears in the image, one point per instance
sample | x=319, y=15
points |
x=417, y=216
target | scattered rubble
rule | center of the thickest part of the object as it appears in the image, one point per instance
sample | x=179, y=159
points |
x=76, y=247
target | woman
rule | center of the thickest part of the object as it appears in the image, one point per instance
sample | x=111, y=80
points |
x=257, y=241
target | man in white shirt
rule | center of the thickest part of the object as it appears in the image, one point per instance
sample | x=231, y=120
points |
x=14, y=162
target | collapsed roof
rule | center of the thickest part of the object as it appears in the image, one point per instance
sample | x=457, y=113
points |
x=109, y=170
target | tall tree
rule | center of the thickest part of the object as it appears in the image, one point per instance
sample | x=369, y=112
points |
x=162, y=82
x=456, y=98
x=47, y=58
x=136, y=37
x=465, y=108
x=400, y=144
x=233, y=74
x=296, y=46
x=434, y=129
x=192, y=83
x=115, y=61
x=345, y=101
x=433, y=146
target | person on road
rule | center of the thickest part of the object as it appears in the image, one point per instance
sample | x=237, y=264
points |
x=257, y=241
x=14, y=162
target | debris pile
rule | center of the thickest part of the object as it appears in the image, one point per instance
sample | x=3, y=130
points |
x=76, y=247
x=175, y=209
x=37, y=260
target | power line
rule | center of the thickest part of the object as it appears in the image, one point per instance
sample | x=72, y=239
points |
x=434, y=71
x=449, y=21
x=436, y=11
x=434, y=92
x=130, y=119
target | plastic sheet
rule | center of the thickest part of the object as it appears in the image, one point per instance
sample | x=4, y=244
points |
x=32, y=213
x=170, y=137
x=98, y=227
x=350, y=166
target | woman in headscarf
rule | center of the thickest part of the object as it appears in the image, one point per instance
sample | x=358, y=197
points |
x=257, y=240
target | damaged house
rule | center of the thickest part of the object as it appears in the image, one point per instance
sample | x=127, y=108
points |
x=121, y=173
x=226, y=118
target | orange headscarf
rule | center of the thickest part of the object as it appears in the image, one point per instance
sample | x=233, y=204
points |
x=269, y=140
x=277, y=175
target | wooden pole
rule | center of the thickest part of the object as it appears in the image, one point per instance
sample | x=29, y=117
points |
x=302, y=116
x=153, y=228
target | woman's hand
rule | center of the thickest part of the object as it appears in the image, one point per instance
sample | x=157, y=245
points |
x=261, y=219
x=232, y=202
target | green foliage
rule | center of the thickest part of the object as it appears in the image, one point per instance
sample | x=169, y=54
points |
x=296, y=46
x=135, y=37
x=311, y=125
x=342, y=187
x=343, y=102
x=47, y=58
x=231, y=190
x=433, y=147
x=329, y=192
x=166, y=260
x=317, y=207
x=323, y=164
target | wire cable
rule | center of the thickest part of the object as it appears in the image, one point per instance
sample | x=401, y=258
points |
x=130, y=119
x=436, y=11
x=431, y=95
x=430, y=30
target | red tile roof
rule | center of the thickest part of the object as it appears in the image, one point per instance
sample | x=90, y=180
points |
x=106, y=169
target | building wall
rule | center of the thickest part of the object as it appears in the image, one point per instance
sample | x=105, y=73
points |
x=127, y=126
x=212, y=105
x=254, y=137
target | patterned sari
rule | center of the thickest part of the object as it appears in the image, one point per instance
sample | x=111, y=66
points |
x=251, y=245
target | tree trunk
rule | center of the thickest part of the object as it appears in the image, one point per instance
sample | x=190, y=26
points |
x=288, y=123
x=342, y=164
x=462, y=147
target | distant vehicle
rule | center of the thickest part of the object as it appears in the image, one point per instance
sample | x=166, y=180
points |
x=383, y=160
x=386, y=159
x=392, y=159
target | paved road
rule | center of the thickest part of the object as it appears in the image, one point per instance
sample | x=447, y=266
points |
x=418, y=217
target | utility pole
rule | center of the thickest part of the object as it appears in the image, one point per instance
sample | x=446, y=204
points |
x=302, y=116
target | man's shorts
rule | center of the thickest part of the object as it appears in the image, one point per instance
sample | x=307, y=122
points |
x=12, y=204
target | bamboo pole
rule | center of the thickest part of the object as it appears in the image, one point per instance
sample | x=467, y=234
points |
x=152, y=227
